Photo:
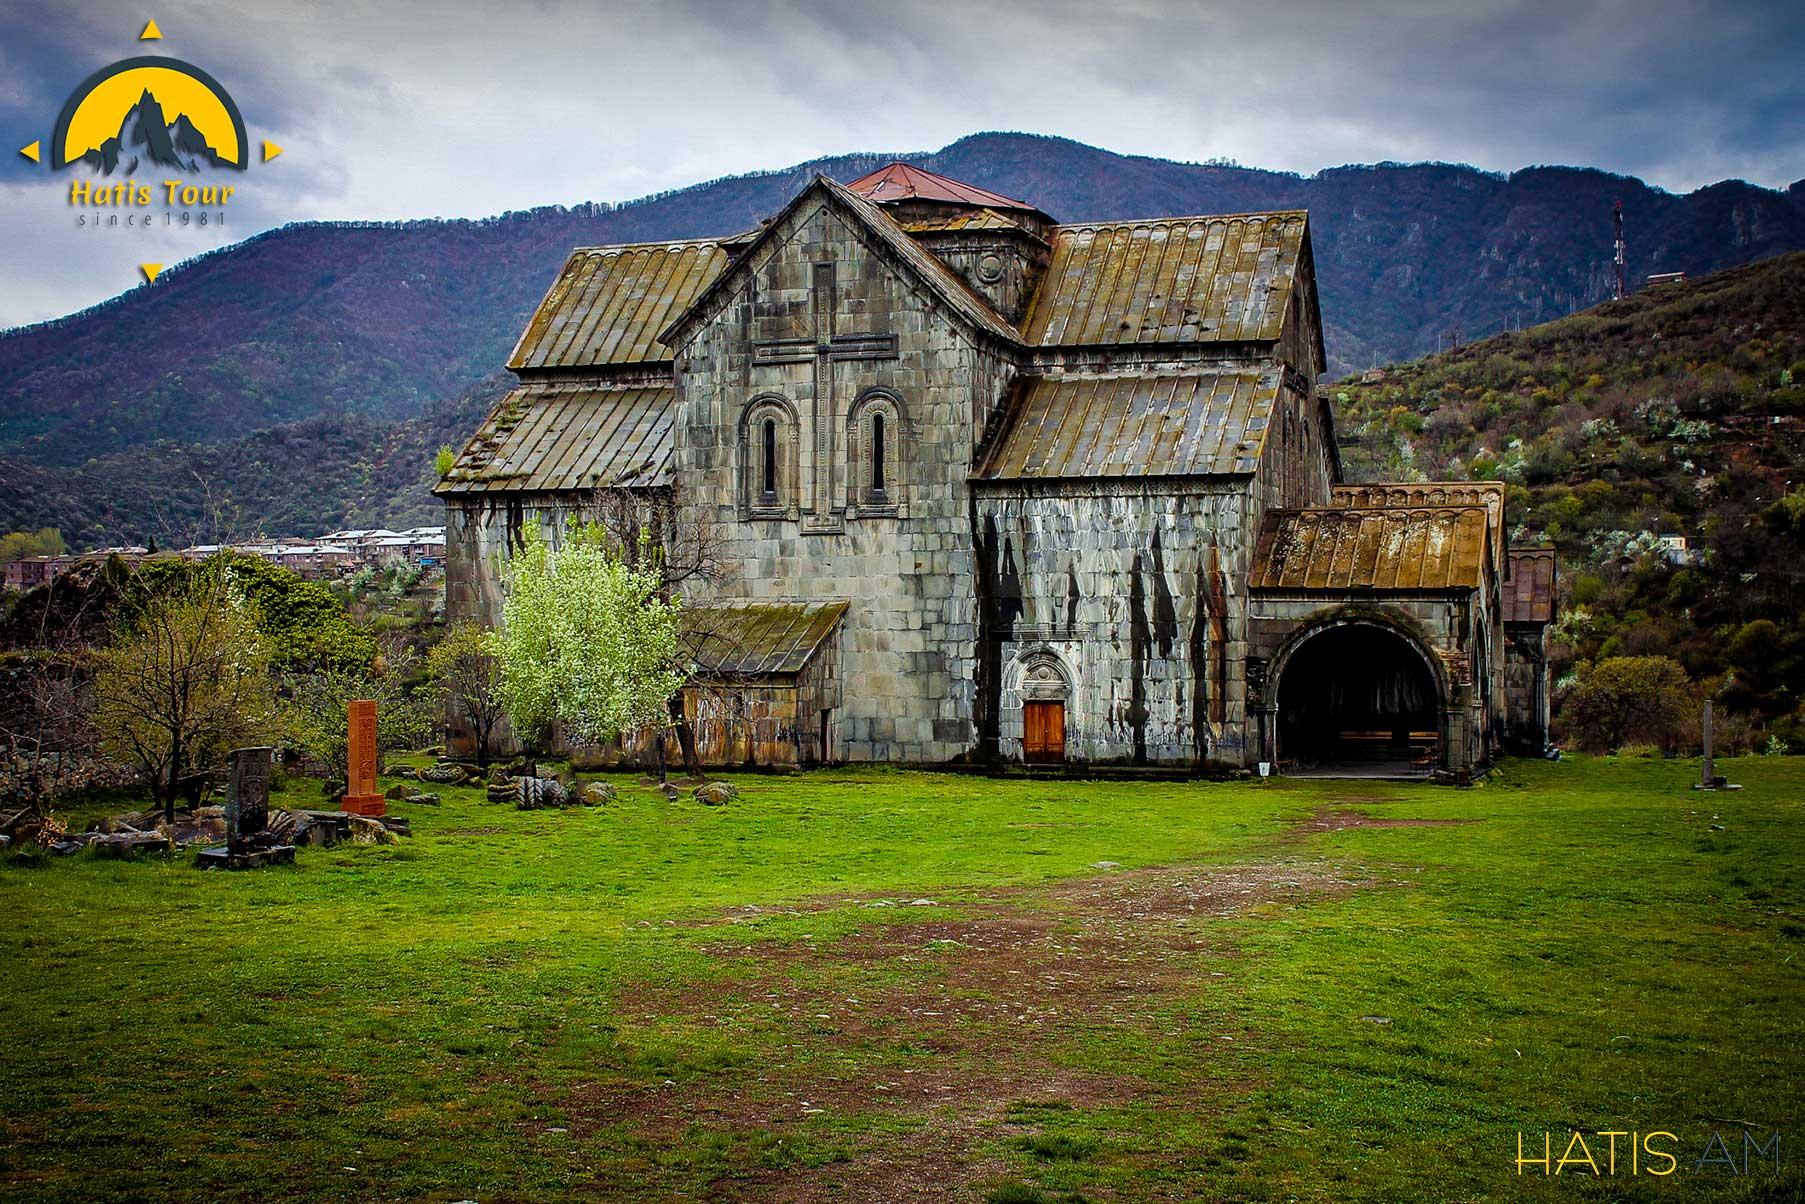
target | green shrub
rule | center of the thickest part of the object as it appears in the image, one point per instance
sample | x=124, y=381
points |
x=1630, y=700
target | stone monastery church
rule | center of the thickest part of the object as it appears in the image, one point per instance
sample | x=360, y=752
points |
x=983, y=487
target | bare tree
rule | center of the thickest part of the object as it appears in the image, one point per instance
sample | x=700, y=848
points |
x=46, y=700
x=45, y=707
x=184, y=679
x=469, y=676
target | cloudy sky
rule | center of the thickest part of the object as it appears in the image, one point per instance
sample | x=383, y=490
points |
x=398, y=109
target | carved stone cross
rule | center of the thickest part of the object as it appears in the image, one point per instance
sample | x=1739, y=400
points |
x=822, y=348
x=247, y=797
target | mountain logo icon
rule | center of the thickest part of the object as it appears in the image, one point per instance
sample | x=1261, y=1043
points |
x=150, y=112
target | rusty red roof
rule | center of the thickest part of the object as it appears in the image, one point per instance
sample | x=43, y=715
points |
x=906, y=182
x=1529, y=594
x=1342, y=549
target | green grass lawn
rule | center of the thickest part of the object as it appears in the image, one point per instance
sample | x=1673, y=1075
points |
x=872, y=985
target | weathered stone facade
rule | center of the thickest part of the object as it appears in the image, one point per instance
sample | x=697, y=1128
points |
x=1070, y=470
x=903, y=555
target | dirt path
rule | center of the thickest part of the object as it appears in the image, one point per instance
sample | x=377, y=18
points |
x=934, y=1028
x=1338, y=819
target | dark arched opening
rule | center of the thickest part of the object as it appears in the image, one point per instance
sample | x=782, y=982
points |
x=770, y=490
x=877, y=453
x=1358, y=697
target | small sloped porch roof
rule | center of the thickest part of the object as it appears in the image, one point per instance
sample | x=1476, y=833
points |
x=759, y=637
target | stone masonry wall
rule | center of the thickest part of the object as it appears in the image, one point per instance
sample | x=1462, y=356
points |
x=908, y=644
x=1135, y=591
x=1527, y=687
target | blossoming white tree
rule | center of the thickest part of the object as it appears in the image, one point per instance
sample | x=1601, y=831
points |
x=586, y=640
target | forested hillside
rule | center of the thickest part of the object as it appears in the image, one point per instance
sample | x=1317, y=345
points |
x=298, y=479
x=381, y=320
x=1678, y=412
x=264, y=382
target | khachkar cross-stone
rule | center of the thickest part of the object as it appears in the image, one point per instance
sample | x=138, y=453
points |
x=247, y=798
x=361, y=796
x=822, y=348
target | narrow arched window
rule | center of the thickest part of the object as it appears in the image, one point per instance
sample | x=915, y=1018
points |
x=877, y=453
x=875, y=473
x=770, y=460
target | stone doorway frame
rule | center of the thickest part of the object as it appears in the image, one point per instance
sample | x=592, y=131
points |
x=1040, y=675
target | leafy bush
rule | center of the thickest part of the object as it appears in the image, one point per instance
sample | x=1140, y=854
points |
x=1057, y=1147
x=1630, y=700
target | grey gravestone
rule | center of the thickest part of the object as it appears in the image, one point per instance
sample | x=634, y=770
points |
x=1710, y=779
x=248, y=839
x=247, y=798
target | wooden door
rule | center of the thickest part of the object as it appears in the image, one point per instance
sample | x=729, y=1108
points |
x=1043, y=731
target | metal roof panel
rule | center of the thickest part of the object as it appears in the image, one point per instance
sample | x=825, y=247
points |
x=544, y=437
x=609, y=304
x=1184, y=279
x=757, y=638
x=1116, y=425
x=906, y=182
x=1342, y=549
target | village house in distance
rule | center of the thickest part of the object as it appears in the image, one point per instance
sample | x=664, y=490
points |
x=337, y=554
x=988, y=487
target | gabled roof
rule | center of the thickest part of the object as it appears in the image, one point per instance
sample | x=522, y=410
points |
x=609, y=303
x=1337, y=549
x=1529, y=595
x=549, y=436
x=1151, y=425
x=748, y=638
x=906, y=182
x=935, y=275
x=1171, y=280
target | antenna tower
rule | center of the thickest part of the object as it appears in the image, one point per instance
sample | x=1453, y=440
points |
x=1617, y=226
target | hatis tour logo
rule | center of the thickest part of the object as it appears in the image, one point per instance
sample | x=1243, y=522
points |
x=159, y=142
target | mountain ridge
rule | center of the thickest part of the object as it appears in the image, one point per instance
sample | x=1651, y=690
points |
x=382, y=321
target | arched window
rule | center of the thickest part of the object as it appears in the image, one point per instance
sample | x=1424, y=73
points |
x=877, y=455
x=769, y=492
x=767, y=459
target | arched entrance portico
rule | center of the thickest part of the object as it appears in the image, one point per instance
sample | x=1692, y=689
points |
x=1358, y=696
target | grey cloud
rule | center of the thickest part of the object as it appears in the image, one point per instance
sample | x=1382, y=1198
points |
x=465, y=109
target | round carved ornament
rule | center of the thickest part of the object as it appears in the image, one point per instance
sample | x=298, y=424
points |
x=990, y=269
